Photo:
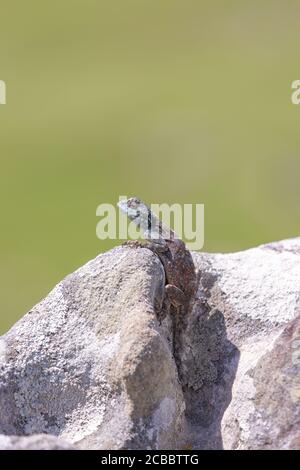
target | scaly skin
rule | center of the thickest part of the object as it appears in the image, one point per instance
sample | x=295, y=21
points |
x=181, y=279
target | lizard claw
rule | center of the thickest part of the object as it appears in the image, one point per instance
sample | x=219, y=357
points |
x=152, y=245
x=175, y=295
x=133, y=243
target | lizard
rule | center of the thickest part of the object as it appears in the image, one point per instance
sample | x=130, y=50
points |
x=180, y=274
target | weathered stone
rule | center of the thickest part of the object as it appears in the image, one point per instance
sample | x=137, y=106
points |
x=34, y=442
x=253, y=399
x=91, y=364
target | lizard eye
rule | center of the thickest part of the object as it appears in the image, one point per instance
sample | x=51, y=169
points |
x=134, y=202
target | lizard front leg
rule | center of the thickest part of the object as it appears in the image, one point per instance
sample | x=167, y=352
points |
x=175, y=295
x=157, y=246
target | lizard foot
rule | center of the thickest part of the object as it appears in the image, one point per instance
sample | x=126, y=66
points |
x=134, y=243
x=175, y=295
x=153, y=245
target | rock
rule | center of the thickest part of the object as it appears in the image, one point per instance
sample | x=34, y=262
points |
x=252, y=401
x=92, y=365
x=34, y=442
x=89, y=363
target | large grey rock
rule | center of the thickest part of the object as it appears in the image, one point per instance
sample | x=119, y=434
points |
x=253, y=400
x=92, y=365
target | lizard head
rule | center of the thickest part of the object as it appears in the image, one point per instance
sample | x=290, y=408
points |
x=143, y=217
x=135, y=209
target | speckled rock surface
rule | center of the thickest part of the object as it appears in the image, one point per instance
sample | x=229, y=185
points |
x=250, y=399
x=92, y=365
x=89, y=363
x=34, y=442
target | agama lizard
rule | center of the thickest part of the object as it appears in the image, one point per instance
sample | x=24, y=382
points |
x=181, y=279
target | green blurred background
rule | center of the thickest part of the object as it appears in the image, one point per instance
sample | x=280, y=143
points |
x=174, y=101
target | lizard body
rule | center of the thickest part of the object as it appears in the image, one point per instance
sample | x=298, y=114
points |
x=181, y=279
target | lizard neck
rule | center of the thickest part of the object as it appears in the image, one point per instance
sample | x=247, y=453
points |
x=154, y=228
